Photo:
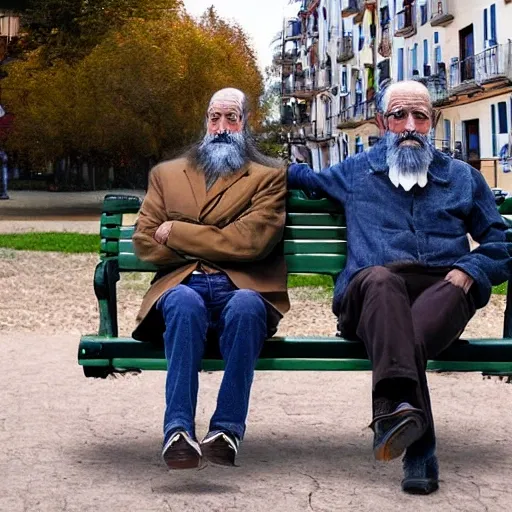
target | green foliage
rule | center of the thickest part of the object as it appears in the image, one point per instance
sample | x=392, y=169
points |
x=138, y=92
x=69, y=29
x=55, y=242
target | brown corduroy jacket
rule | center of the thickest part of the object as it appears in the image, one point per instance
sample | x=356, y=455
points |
x=235, y=227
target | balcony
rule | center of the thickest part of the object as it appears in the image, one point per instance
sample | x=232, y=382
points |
x=440, y=13
x=351, y=7
x=356, y=115
x=490, y=67
x=345, y=48
x=299, y=134
x=288, y=57
x=293, y=30
x=308, y=83
x=405, y=22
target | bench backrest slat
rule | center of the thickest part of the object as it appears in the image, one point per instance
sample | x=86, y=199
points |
x=314, y=237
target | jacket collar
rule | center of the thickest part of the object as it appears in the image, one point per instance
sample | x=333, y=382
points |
x=206, y=200
x=439, y=170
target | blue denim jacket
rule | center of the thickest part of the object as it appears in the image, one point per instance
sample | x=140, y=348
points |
x=426, y=225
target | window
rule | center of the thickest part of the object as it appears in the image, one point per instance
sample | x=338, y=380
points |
x=490, y=37
x=424, y=13
x=414, y=58
x=485, y=28
x=448, y=132
x=502, y=117
x=400, y=70
x=493, y=131
x=436, y=37
x=438, y=57
x=494, y=40
x=344, y=79
x=425, y=52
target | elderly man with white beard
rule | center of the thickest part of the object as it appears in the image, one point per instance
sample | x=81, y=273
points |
x=411, y=284
x=212, y=221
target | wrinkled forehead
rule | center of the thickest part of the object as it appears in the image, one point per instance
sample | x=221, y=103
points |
x=409, y=100
x=227, y=100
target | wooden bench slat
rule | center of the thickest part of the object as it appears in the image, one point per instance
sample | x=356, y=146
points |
x=128, y=262
x=315, y=233
x=290, y=232
x=315, y=219
x=329, y=264
x=108, y=219
x=290, y=246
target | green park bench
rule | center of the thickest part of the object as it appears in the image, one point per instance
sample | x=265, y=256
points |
x=314, y=243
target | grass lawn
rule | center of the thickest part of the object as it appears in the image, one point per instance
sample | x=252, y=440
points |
x=83, y=243
x=55, y=242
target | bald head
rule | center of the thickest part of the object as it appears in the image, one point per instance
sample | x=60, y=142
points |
x=227, y=111
x=406, y=93
x=407, y=107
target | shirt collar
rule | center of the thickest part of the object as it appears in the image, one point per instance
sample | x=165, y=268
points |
x=439, y=170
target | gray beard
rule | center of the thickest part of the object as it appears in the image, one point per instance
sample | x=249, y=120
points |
x=219, y=159
x=408, y=166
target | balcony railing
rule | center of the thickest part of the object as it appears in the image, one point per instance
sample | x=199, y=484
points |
x=491, y=65
x=300, y=133
x=350, y=7
x=308, y=83
x=405, y=22
x=289, y=56
x=356, y=114
x=441, y=15
x=345, y=48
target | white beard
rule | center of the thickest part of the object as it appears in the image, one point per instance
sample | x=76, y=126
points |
x=407, y=179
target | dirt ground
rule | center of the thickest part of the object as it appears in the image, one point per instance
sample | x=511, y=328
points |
x=76, y=444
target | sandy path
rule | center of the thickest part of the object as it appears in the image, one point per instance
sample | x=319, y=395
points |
x=75, y=444
x=82, y=445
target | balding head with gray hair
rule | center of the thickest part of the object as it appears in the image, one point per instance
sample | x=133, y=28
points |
x=405, y=117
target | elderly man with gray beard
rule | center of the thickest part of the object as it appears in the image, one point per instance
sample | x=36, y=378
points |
x=213, y=221
x=411, y=283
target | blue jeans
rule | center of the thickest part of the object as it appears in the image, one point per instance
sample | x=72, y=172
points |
x=239, y=318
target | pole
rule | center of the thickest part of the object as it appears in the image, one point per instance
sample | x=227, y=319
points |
x=3, y=157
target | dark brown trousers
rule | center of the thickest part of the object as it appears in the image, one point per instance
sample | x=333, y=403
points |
x=405, y=315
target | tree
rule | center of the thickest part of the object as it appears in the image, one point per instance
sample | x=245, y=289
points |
x=69, y=29
x=137, y=97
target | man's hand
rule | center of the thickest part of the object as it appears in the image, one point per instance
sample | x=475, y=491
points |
x=460, y=279
x=162, y=233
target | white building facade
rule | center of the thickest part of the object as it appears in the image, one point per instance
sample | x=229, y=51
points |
x=340, y=52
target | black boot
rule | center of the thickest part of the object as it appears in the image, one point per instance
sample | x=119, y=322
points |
x=421, y=471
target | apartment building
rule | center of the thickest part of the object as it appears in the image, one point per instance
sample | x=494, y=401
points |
x=339, y=52
x=463, y=50
x=328, y=59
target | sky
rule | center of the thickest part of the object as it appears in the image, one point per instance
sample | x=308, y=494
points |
x=260, y=19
